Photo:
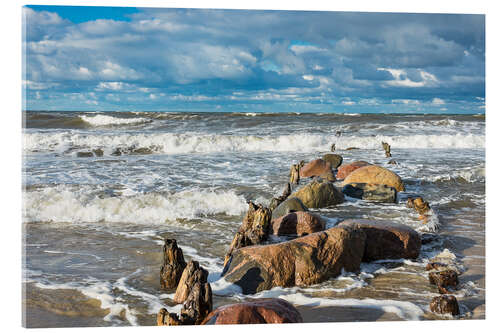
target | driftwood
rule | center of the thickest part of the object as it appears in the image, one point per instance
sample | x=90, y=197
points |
x=277, y=200
x=173, y=265
x=387, y=149
x=254, y=229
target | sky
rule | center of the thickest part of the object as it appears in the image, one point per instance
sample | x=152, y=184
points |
x=146, y=59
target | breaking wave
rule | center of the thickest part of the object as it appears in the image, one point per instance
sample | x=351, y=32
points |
x=172, y=143
x=63, y=203
x=102, y=120
x=468, y=175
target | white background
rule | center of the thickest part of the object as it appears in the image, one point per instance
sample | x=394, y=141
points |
x=11, y=141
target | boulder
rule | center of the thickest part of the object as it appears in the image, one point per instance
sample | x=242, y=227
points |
x=335, y=160
x=300, y=262
x=445, y=304
x=328, y=176
x=297, y=223
x=84, y=154
x=292, y=204
x=387, y=240
x=315, y=168
x=98, y=152
x=319, y=194
x=260, y=311
x=375, y=174
x=370, y=192
x=192, y=274
x=173, y=265
x=344, y=170
x=444, y=279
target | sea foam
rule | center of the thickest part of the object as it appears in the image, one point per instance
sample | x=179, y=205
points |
x=63, y=204
x=186, y=143
x=102, y=120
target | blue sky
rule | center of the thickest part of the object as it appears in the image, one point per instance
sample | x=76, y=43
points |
x=144, y=59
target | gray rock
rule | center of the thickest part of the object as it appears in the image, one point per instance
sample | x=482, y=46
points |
x=335, y=160
x=287, y=206
x=370, y=192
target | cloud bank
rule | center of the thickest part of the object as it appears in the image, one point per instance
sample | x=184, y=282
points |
x=234, y=60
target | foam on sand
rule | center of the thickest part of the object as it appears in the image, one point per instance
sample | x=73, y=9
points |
x=403, y=309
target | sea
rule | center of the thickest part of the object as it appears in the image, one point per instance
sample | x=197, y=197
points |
x=102, y=190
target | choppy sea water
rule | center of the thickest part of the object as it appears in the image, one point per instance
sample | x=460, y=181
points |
x=102, y=190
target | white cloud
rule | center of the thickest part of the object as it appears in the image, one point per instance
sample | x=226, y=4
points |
x=300, y=49
x=438, y=101
x=38, y=85
x=110, y=70
x=401, y=79
x=406, y=101
x=113, y=85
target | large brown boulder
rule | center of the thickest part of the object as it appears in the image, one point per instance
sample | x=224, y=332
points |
x=344, y=170
x=387, y=240
x=297, y=223
x=173, y=265
x=316, y=167
x=300, y=262
x=319, y=194
x=261, y=311
x=291, y=204
x=335, y=160
x=375, y=174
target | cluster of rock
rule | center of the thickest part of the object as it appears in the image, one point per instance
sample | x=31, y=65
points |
x=443, y=273
x=311, y=255
x=195, y=294
x=316, y=254
x=191, y=288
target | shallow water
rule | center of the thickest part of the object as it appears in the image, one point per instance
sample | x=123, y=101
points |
x=94, y=226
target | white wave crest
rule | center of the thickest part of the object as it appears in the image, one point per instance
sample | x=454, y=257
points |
x=102, y=120
x=171, y=143
x=403, y=309
x=63, y=204
x=469, y=175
